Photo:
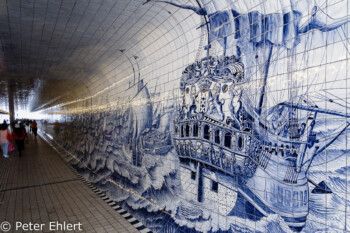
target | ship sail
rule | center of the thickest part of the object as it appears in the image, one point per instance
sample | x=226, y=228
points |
x=280, y=45
x=140, y=119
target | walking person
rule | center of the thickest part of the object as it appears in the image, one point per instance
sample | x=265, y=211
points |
x=34, y=128
x=22, y=126
x=26, y=125
x=5, y=139
x=30, y=126
x=5, y=123
x=56, y=128
x=19, y=134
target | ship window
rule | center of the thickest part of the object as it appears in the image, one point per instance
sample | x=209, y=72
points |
x=182, y=131
x=176, y=129
x=282, y=150
x=187, y=90
x=224, y=88
x=214, y=186
x=280, y=195
x=193, y=175
x=195, y=130
x=206, y=132
x=217, y=136
x=187, y=130
x=276, y=149
x=228, y=140
x=288, y=198
x=240, y=142
x=295, y=199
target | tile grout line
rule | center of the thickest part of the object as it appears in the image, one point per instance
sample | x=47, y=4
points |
x=127, y=216
x=3, y=181
x=38, y=185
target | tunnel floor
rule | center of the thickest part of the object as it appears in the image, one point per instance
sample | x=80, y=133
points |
x=40, y=188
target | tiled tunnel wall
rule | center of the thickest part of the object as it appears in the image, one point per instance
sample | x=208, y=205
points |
x=225, y=116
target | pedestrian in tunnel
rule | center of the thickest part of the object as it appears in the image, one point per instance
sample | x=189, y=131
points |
x=27, y=125
x=5, y=139
x=30, y=126
x=34, y=128
x=19, y=134
x=23, y=127
x=56, y=128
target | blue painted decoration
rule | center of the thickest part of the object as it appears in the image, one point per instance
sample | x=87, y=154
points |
x=228, y=157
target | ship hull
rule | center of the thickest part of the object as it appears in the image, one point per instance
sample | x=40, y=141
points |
x=290, y=201
x=267, y=194
x=205, y=187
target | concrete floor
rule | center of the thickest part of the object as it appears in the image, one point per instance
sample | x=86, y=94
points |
x=39, y=189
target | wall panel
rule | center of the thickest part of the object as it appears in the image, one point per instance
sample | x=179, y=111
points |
x=270, y=77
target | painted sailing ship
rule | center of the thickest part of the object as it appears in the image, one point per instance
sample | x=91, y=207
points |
x=148, y=126
x=139, y=120
x=219, y=133
x=232, y=143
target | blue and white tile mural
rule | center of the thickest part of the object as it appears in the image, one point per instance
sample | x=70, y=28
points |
x=253, y=136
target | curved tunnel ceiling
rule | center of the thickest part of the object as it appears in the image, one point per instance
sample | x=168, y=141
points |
x=67, y=52
x=55, y=52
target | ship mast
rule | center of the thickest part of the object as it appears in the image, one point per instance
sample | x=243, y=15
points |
x=292, y=95
x=263, y=88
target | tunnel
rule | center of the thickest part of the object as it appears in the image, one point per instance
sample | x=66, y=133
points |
x=174, y=116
